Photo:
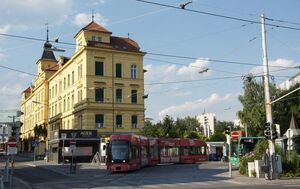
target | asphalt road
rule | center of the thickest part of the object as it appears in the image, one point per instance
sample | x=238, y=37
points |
x=208, y=175
x=35, y=175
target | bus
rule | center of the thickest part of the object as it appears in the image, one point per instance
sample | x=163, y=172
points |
x=243, y=146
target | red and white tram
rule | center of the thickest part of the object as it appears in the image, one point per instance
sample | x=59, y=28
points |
x=128, y=152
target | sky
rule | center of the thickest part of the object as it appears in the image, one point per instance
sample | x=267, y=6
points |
x=206, y=36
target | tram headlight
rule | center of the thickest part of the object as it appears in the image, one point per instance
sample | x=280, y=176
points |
x=112, y=161
x=124, y=160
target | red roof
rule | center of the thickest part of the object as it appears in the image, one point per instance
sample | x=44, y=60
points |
x=28, y=90
x=93, y=26
x=117, y=43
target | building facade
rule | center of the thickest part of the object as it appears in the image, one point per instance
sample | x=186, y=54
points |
x=286, y=85
x=207, y=123
x=100, y=87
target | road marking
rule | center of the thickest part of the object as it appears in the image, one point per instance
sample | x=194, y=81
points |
x=233, y=182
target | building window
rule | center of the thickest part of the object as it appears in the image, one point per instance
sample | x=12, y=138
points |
x=99, y=120
x=100, y=39
x=65, y=83
x=99, y=94
x=73, y=78
x=64, y=105
x=80, y=121
x=68, y=80
x=79, y=95
x=55, y=112
x=72, y=101
x=118, y=95
x=80, y=71
x=133, y=71
x=99, y=68
x=60, y=86
x=133, y=96
x=53, y=92
x=119, y=70
x=134, y=121
x=59, y=105
x=119, y=121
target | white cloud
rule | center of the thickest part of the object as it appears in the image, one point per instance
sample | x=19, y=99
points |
x=181, y=93
x=194, y=107
x=194, y=67
x=83, y=19
x=2, y=56
x=12, y=84
x=280, y=63
x=34, y=12
x=172, y=72
x=97, y=2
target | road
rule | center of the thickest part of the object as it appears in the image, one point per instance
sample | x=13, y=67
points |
x=206, y=175
x=36, y=175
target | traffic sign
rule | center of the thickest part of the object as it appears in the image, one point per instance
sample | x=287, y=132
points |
x=72, y=142
x=63, y=136
x=12, y=146
x=235, y=135
x=72, y=145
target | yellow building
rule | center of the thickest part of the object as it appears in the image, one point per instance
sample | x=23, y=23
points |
x=101, y=87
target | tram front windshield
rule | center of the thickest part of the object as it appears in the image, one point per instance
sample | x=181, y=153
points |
x=119, y=150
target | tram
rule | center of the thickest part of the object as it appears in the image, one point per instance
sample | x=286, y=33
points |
x=129, y=152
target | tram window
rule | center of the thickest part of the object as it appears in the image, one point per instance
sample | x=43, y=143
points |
x=185, y=151
x=203, y=150
x=134, y=152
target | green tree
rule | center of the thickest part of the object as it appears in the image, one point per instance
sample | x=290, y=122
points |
x=149, y=129
x=253, y=113
x=221, y=125
x=40, y=131
x=283, y=109
x=217, y=136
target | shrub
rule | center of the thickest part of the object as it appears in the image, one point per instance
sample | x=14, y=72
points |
x=258, y=151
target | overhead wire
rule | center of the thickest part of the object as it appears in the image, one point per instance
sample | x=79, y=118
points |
x=216, y=15
x=148, y=53
x=208, y=59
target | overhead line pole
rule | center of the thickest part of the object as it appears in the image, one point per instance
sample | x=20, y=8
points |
x=268, y=105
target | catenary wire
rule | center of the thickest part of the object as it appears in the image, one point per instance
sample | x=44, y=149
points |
x=217, y=15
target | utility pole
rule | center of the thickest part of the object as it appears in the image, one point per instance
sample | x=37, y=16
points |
x=228, y=138
x=268, y=105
